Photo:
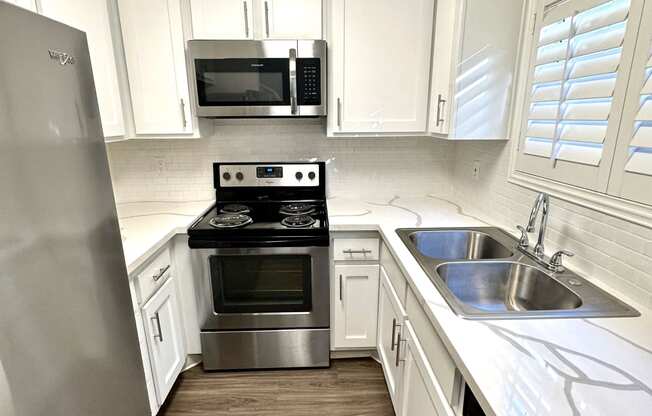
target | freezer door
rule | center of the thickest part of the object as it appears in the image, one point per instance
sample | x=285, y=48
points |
x=69, y=344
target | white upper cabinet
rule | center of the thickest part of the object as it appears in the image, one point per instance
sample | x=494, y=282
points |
x=579, y=72
x=379, y=66
x=292, y=19
x=222, y=19
x=474, y=60
x=156, y=66
x=631, y=175
x=92, y=17
x=25, y=4
x=256, y=19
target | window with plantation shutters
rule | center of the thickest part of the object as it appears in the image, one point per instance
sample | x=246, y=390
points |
x=580, y=65
x=631, y=176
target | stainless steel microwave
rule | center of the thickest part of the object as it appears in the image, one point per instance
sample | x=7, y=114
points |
x=251, y=78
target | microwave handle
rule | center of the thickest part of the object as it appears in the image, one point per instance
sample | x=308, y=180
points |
x=293, y=80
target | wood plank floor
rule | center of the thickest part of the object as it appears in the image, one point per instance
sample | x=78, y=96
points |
x=351, y=387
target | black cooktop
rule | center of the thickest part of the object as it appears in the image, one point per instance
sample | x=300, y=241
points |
x=273, y=211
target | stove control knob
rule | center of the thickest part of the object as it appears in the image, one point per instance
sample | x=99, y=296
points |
x=311, y=176
x=226, y=176
x=239, y=176
x=299, y=176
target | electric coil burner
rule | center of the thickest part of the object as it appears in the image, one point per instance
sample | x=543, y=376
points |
x=298, y=221
x=263, y=267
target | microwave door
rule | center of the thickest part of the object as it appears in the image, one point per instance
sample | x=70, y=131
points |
x=244, y=86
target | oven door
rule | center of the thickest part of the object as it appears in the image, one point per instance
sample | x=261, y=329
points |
x=265, y=288
x=243, y=78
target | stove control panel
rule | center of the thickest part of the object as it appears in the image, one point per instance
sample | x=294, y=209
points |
x=289, y=175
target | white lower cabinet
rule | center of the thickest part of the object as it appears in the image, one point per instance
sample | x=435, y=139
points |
x=355, y=305
x=165, y=339
x=419, y=392
x=391, y=317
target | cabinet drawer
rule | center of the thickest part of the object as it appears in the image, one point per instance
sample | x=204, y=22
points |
x=355, y=248
x=393, y=272
x=154, y=275
x=441, y=362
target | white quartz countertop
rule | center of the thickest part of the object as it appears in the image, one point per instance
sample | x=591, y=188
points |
x=147, y=226
x=516, y=367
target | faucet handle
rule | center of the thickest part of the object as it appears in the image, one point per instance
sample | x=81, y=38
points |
x=524, y=241
x=556, y=260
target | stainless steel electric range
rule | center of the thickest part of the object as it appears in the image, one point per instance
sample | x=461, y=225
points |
x=264, y=286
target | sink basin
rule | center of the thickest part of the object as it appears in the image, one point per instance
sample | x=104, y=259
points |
x=482, y=274
x=506, y=286
x=458, y=245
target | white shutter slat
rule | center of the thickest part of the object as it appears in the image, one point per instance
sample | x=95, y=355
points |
x=645, y=113
x=551, y=53
x=600, y=63
x=587, y=110
x=591, y=133
x=593, y=88
x=600, y=40
x=541, y=130
x=601, y=16
x=642, y=137
x=536, y=147
x=548, y=92
x=578, y=153
x=543, y=112
x=555, y=32
x=549, y=72
x=647, y=87
x=640, y=162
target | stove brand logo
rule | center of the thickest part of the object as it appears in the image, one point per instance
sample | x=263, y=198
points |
x=62, y=57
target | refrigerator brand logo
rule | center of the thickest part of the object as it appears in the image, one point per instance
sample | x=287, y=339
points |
x=62, y=57
x=257, y=65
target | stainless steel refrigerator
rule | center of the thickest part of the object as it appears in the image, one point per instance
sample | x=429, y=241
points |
x=68, y=342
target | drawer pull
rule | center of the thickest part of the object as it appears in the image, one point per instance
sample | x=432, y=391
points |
x=364, y=251
x=160, y=273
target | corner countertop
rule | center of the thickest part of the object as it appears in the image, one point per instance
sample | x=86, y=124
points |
x=516, y=367
x=148, y=226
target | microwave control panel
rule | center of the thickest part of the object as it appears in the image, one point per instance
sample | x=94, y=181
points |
x=309, y=81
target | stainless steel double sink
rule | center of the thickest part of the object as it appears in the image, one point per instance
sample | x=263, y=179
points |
x=483, y=275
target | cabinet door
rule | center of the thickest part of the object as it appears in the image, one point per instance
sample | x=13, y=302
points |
x=292, y=19
x=420, y=394
x=164, y=338
x=25, y=4
x=221, y=19
x=356, y=306
x=442, y=68
x=92, y=16
x=391, y=317
x=156, y=66
x=381, y=65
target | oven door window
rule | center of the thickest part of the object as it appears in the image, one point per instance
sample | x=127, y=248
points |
x=246, y=82
x=258, y=283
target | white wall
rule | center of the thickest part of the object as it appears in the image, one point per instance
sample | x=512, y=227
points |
x=614, y=251
x=181, y=170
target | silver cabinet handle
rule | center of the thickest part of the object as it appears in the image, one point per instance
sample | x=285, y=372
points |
x=440, y=110
x=350, y=251
x=183, y=113
x=340, y=288
x=158, y=325
x=398, y=349
x=394, y=326
x=246, y=18
x=160, y=273
x=267, y=18
x=339, y=114
x=293, y=81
